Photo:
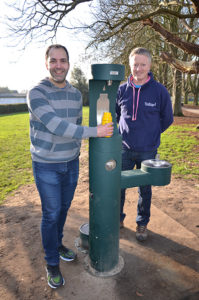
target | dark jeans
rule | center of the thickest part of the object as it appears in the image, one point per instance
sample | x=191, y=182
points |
x=56, y=184
x=130, y=159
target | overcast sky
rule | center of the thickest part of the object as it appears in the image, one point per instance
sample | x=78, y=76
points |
x=20, y=70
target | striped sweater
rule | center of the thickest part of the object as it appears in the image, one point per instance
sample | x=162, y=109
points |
x=55, y=122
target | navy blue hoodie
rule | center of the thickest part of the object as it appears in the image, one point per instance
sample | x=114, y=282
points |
x=143, y=114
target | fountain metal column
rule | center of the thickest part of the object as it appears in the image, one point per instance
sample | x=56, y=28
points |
x=104, y=173
x=106, y=178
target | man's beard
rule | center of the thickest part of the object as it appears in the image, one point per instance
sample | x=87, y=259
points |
x=55, y=77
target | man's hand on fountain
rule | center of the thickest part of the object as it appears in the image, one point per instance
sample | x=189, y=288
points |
x=105, y=130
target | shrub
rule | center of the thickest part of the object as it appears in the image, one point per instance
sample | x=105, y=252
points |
x=13, y=108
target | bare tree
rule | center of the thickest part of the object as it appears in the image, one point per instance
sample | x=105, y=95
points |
x=39, y=19
x=168, y=28
x=190, y=48
x=186, y=88
x=194, y=84
x=116, y=17
x=42, y=18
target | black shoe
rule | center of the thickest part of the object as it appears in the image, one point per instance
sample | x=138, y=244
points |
x=54, y=276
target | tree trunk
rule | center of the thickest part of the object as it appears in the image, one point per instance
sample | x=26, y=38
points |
x=177, y=93
x=186, y=94
x=195, y=99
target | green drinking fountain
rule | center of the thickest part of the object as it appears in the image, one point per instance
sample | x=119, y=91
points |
x=106, y=178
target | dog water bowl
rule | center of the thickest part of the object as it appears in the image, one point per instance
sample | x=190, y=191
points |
x=84, y=235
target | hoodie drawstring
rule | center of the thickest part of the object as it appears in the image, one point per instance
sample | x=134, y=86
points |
x=138, y=98
x=134, y=117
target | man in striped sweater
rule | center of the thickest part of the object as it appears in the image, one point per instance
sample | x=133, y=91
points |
x=55, y=109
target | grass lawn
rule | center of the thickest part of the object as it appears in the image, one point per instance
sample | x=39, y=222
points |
x=177, y=146
x=15, y=163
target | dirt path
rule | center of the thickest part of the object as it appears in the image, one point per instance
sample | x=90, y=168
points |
x=191, y=110
x=165, y=267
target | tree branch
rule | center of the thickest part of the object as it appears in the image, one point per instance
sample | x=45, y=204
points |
x=175, y=40
x=191, y=67
x=196, y=5
x=196, y=34
x=39, y=18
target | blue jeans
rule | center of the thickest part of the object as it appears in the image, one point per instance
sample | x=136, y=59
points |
x=56, y=184
x=130, y=159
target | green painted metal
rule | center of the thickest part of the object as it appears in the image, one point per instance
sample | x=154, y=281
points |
x=152, y=172
x=104, y=203
x=113, y=72
x=105, y=183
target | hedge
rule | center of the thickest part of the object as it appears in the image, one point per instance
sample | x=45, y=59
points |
x=13, y=108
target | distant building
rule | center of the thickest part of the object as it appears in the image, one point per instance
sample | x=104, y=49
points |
x=12, y=95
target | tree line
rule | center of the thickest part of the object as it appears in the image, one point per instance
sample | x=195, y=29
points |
x=6, y=90
x=168, y=28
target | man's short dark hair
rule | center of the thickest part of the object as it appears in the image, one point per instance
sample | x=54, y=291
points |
x=56, y=46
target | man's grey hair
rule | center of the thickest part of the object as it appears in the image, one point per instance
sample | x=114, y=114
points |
x=140, y=51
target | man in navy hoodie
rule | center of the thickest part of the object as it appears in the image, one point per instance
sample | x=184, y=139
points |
x=143, y=111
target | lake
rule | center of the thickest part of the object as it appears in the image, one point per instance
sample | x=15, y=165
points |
x=12, y=100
